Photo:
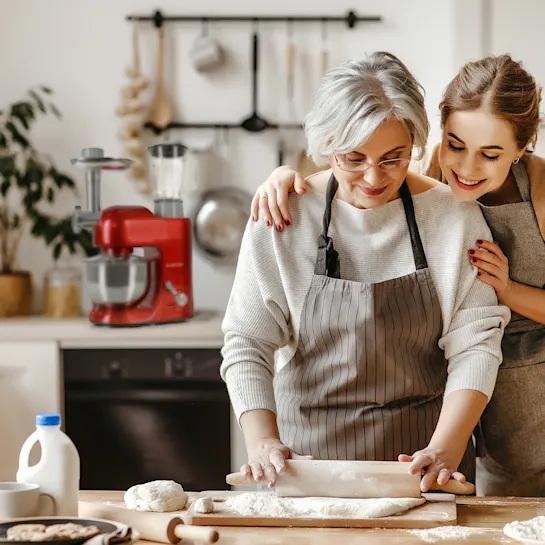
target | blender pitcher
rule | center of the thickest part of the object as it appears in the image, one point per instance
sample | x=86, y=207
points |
x=172, y=169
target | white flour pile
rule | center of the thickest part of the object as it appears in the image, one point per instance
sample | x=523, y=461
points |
x=267, y=504
x=526, y=529
x=449, y=532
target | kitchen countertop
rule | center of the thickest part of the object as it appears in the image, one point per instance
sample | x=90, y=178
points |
x=202, y=331
x=484, y=512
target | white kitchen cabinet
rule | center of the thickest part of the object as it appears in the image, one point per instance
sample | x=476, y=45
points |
x=30, y=383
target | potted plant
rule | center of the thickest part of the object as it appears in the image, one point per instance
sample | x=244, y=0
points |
x=29, y=185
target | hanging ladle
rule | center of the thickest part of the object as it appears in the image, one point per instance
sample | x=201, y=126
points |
x=255, y=123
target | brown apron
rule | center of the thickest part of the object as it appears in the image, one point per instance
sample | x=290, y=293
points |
x=368, y=378
x=512, y=457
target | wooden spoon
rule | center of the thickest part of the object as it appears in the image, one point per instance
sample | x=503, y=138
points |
x=160, y=113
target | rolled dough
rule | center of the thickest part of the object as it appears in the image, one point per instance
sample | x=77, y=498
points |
x=267, y=504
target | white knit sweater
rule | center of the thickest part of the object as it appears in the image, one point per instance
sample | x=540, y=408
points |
x=275, y=269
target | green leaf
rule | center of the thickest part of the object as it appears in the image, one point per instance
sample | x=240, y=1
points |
x=7, y=165
x=16, y=222
x=3, y=140
x=57, y=249
x=55, y=110
x=50, y=194
x=4, y=187
x=16, y=135
x=46, y=89
x=38, y=100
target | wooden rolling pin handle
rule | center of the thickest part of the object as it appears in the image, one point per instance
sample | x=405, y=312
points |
x=178, y=531
x=455, y=487
x=236, y=479
x=200, y=534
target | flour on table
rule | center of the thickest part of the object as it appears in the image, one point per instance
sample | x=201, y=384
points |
x=267, y=504
x=449, y=532
x=533, y=529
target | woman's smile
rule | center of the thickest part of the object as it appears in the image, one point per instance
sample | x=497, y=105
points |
x=468, y=183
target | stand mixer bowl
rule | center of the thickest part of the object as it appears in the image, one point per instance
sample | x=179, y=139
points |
x=117, y=280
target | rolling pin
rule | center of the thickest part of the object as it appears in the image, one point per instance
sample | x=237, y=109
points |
x=350, y=479
x=162, y=527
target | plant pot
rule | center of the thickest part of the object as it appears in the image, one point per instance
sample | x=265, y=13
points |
x=15, y=294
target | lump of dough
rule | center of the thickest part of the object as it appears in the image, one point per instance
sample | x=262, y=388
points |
x=204, y=505
x=158, y=496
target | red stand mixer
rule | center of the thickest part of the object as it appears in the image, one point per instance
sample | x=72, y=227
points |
x=143, y=272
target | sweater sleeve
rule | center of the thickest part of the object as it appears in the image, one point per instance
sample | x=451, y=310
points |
x=256, y=323
x=472, y=339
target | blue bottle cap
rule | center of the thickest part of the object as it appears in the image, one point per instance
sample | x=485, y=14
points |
x=48, y=419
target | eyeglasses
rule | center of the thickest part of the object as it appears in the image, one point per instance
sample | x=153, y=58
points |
x=388, y=165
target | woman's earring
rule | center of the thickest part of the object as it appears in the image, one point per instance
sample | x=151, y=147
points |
x=515, y=162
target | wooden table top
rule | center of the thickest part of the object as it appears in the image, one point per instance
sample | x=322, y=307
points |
x=483, y=518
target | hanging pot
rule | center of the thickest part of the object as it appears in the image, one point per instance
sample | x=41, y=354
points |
x=219, y=223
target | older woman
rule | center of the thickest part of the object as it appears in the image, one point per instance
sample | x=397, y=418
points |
x=385, y=344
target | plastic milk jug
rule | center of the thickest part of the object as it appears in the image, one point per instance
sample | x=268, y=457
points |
x=57, y=472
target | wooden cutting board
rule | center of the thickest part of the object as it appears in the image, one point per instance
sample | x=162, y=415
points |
x=439, y=510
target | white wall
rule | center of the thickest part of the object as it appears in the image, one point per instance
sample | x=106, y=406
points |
x=80, y=49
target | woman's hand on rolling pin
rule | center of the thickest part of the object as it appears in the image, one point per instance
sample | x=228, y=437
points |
x=271, y=198
x=266, y=459
x=436, y=465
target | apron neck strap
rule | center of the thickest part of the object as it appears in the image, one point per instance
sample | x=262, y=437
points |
x=327, y=259
x=420, y=261
x=522, y=181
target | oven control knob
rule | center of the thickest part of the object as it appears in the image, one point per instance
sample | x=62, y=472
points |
x=114, y=369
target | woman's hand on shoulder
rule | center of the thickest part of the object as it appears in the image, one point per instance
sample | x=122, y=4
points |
x=270, y=201
x=266, y=459
x=492, y=267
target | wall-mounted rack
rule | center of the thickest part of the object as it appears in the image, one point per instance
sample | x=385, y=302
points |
x=351, y=18
x=180, y=125
x=158, y=20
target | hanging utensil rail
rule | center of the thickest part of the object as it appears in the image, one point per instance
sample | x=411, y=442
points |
x=158, y=19
x=351, y=18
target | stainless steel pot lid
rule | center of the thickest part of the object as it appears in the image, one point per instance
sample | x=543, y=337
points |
x=219, y=222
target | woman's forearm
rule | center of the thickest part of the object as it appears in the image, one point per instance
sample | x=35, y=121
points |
x=525, y=300
x=258, y=424
x=460, y=414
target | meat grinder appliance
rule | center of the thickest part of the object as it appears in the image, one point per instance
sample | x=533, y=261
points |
x=142, y=274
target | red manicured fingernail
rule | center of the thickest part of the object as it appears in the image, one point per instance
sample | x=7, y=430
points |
x=479, y=241
x=478, y=273
x=268, y=223
x=471, y=252
x=288, y=222
x=474, y=259
x=279, y=228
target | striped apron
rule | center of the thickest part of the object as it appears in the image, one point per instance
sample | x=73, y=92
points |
x=512, y=462
x=367, y=379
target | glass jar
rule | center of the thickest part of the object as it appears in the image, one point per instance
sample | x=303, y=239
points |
x=62, y=292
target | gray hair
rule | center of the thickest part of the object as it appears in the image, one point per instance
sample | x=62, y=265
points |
x=354, y=98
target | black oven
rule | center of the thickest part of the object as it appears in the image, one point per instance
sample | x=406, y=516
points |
x=137, y=415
